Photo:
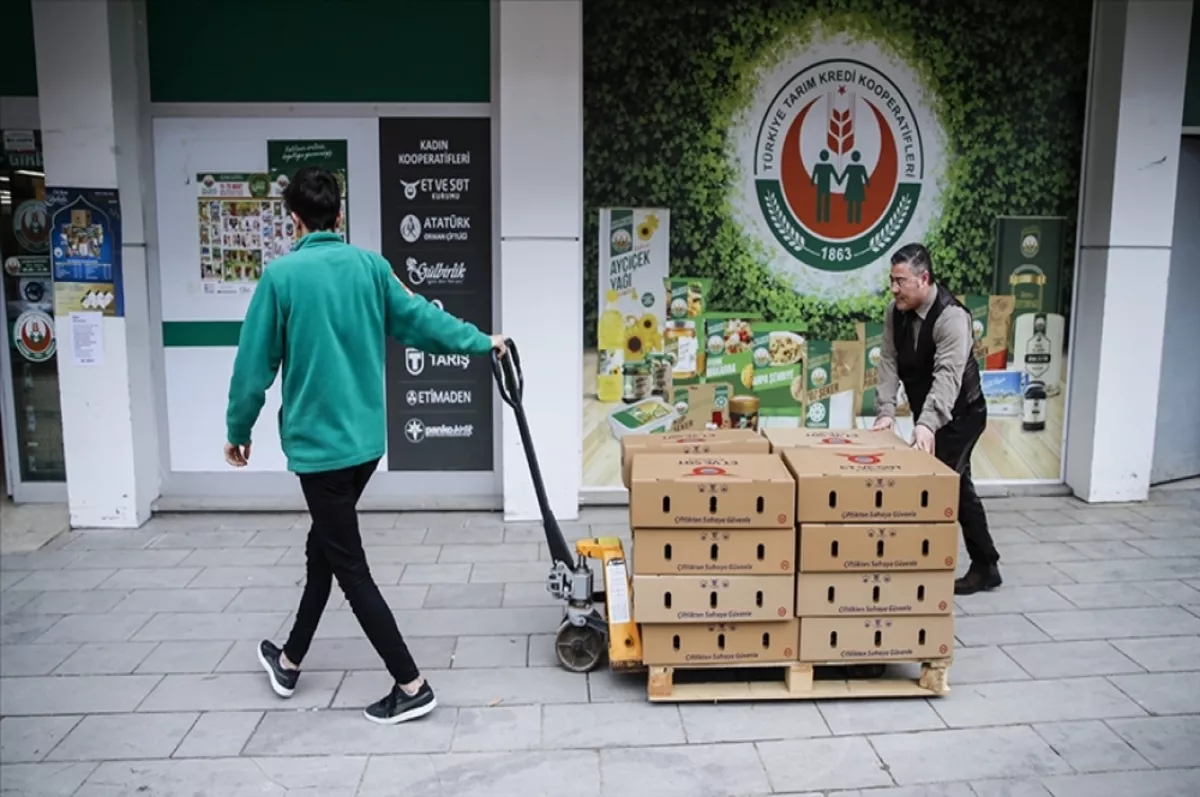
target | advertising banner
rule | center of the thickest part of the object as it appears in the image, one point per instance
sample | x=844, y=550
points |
x=813, y=140
x=85, y=250
x=435, y=200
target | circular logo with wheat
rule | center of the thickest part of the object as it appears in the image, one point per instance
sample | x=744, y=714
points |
x=838, y=165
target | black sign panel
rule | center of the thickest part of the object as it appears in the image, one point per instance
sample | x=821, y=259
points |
x=436, y=205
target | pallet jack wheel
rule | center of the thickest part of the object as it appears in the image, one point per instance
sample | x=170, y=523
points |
x=865, y=671
x=579, y=648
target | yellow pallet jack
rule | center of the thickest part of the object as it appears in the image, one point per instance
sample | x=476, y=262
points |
x=587, y=634
x=596, y=623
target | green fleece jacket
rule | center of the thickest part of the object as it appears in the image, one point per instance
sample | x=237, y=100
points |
x=324, y=312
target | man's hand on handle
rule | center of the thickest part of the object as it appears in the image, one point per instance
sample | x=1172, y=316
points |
x=499, y=345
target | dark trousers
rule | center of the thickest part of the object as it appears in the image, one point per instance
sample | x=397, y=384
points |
x=953, y=445
x=335, y=550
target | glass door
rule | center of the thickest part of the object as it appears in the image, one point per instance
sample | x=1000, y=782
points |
x=35, y=468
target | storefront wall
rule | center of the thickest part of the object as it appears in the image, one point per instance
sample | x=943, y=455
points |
x=534, y=97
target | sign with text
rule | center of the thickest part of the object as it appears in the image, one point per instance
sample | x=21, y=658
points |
x=435, y=201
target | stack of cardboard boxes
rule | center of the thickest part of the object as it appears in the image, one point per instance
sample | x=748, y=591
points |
x=877, y=544
x=793, y=545
x=714, y=550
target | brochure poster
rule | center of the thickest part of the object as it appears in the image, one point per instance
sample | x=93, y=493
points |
x=242, y=228
x=85, y=250
x=285, y=158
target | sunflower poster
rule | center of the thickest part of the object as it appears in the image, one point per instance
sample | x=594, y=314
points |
x=633, y=270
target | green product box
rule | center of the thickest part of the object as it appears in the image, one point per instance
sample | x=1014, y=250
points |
x=729, y=350
x=819, y=384
x=871, y=334
x=779, y=356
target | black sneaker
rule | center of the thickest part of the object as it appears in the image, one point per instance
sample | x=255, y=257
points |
x=399, y=706
x=282, y=681
x=978, y=579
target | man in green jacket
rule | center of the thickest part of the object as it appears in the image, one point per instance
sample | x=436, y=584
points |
x=324, y=312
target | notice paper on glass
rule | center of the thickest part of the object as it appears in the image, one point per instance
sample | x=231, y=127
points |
x=87, y=339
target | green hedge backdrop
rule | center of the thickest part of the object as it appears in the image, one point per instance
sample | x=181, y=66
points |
x=662, y=80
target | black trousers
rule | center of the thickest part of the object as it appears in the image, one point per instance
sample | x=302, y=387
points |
x=334, y=550
x=953, y=445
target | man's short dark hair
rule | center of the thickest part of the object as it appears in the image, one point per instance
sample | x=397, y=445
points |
x=313, y=195
x=916, y=257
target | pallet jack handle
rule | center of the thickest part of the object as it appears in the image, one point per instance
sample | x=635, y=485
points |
x=510, y=382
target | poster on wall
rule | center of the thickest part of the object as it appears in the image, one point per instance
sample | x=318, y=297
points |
x=818, y=140
x=436, y=208
x=85, y=250
x=284, y=158
x=242, y=228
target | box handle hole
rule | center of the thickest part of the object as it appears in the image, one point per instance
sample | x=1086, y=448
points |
x=667, y=552
x=721, y=641
x=762, y=552
x=712, y=504
x=921, y=594
x=714, y=552
x=675, y=642
x=878, y=499
x=666, y=600
x=879, y=547
x=766, y=641
x=925, y=548
x=878, y=639
x=924, y=499
x=829, y=594
x=833, y=499
x=758, y=599
x=875, y=593
x=762, y=504
x=833, y=549
x=833, y=639
x=666, y=504
x=921, y=638
x=712, y=599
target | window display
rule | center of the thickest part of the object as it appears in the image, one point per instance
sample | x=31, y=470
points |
x=805, y=145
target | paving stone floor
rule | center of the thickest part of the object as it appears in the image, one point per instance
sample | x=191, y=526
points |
x=127, y=667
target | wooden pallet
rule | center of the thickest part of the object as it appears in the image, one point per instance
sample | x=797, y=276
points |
x=795, y=681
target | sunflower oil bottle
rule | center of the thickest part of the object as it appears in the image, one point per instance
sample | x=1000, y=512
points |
x=610, y=339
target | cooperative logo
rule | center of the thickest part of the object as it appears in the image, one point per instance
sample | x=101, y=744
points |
x=33, y=336
x=31, y=226
x=863, y=459
x=838, y=165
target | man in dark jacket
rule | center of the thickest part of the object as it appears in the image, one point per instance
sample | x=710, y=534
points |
x=927, y=346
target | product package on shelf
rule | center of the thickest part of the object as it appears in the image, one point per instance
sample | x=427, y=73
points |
x=714, y=556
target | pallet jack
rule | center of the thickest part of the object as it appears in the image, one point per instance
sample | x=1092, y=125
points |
x=587, y=634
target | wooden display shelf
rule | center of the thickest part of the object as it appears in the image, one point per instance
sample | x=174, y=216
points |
x=795, y=681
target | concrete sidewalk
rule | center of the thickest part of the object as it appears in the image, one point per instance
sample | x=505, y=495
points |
x=128, y=667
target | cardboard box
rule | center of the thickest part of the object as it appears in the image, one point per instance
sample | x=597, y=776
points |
x=871, y=485
x=845, y=594
x=712, y=599
x=842, y=640
x=718, y=552
x=723, y=643
x=852, y=547
x=701, y=441
x=748, y=491
x=783, y=438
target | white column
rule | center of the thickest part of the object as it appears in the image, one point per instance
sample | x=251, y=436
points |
x=541, y=251
x=1139, y=62
x=92, y=101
